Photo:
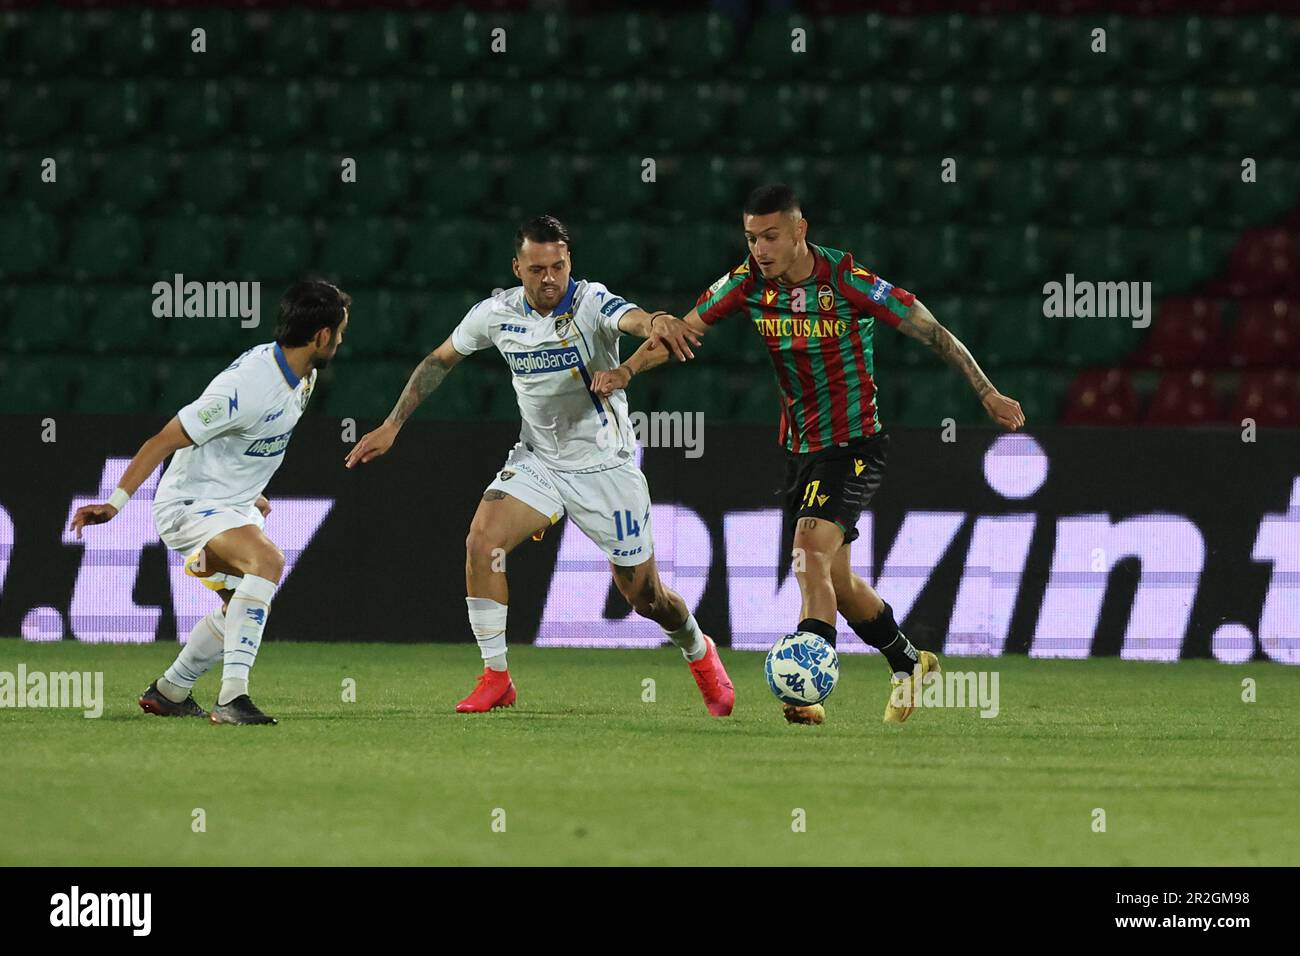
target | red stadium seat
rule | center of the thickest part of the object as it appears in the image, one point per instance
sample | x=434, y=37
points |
x=1185, y=333
x=1102, y=397
x=1270, y=397
x=1267, y=332
x=1184, y=397
x=1263, y=263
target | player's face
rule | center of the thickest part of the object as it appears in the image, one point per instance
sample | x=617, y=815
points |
x=543, y=268
x=325, y=351
x=774, y=240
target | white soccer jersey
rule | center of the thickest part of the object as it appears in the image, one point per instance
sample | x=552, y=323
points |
x=552, y=359
x=240, y=427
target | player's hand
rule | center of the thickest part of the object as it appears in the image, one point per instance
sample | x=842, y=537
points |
x=608, y=381
x=1005, y=411
x=674, y=334
x=92, y=514
x=262, y=505
x=372, y=445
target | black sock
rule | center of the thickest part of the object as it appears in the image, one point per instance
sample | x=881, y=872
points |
x=823, y=630
x=882, y=632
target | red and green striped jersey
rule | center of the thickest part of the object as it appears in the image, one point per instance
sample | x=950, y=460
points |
x=819, y=335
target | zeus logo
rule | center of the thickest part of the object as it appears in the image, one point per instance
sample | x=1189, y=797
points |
x=269, y=447
x=545, y=360
x=512, y=328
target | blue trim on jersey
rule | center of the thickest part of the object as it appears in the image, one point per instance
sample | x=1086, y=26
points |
x=283, y=362
x=595, y=399
x=565, y=305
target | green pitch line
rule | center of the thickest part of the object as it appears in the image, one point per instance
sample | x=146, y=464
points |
x=589, y=773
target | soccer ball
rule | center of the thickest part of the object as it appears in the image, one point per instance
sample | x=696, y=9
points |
x=802, y=669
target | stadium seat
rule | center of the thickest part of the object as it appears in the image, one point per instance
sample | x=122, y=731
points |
x=121, y=321
x=277, y=113
x=444, y=114
x=365, y=390
x=292, y=43
x=1170, y=120
x=213, y=180
x=1040, y=391
x=29, y=241
x=181, y=381
x=106, y=246
x=194, y=247
x=1098, y=341
x=74, y=171
x=687, y=116
x=49, y=43
x=273, y=246
x=528, y=185
x=225, y=43
x=295, y=181
x=438, y=249
x=617, y=44
x=769, y=52
x=1266, y=333
x=194, y=113
x=35, y=386
x=1101, y=397
x=1184, y=333
x=621, y=117
x=1018, y=334
x=45, y=318
x=133, y=179
x=612, y=188
x=352, y=112
x=132, y=43
x=613, y=254
x=454, y=43
x=698, y=44
x=1271, y=398
x=375, y=43
x=34, y=112
x=115, y=386
x=1184, y=397
x=455, y=186
x=378, y=323
x=1263, y=262
x=356, y=251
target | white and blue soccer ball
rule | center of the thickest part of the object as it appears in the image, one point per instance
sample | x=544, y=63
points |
x=802, y=669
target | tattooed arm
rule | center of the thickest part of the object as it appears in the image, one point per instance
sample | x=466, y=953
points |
x=921, y=325
x=426, y=378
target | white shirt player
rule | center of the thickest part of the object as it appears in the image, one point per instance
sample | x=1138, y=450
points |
x=552, y=359
x=240, y=427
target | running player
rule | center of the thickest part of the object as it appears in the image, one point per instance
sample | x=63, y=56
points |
x=816, y=310
x=574, y=455
x=209, y=504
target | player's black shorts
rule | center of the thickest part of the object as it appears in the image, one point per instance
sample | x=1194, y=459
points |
x=836, y=483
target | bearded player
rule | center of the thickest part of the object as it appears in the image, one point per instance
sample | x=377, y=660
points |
x=574, y=455
x=816, y=310
x=209, y=504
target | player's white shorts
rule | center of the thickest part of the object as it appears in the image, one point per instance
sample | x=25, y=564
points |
x=612, y=506
x=188, y=527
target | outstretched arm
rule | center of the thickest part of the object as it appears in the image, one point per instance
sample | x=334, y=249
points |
x=426, y=378
x=150, y=456
x=920, y=324
x=666, y=332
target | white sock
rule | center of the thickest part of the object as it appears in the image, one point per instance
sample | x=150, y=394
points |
x=202, y=649
x=245, y=622
x=487, y=619
x=690, y=639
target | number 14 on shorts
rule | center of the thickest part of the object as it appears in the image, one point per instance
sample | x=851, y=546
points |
x=625, y=526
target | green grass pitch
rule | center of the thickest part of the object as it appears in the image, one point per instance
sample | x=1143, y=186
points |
x=587, y=772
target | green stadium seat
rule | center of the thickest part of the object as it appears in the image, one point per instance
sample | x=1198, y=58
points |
x=769, y=54
x=1170, y=120
x=791, y=109
x=378, y=324
x=1260, y=49
x=121, y=321
x=1274, y=193
x=929, y=118
x=617, y=44
x=375, y=42
x=536, y=114
x=759, y=404
x=194, y=113
x=440, y=248
x=687, y=116
x=456, y=185
x=132, y=43
x=1019, y=334
x=383, y=182
x=355, y=111
x=537, y=45
x=1179, y=192
x=274, y=246
x=852, y=117
x=1103, y=192
x=277, y=113
x=292, y=43
x=704, y=184
x=1261, y=118
x=1177, y=47
x=1092, y=120
x=34, y=112
x=114, y=111
x=181, y=381
x=698, y=44
x=106, y=246
x=528, y=185
x=1010, y=48
x=611, y=254
x=929, y=197
x=45, y=318
x=365, y=390
x=213, y=180
x=226, y=46
x=29, y=240
x=1014, y=260
x=444, y=114
x=194, y=247
x=356, y=251
x=1069, y=49
x=35, y=386
x=940, y=46
x=133, y=179
x=46, y=42
x=620, y=112
x=696, y=254
x=612, y=187
x=1018, y=190
x=1098, y=342
x=1040, y=392
x=1184, y=257
x=115, y=386
x=455, y=42
x=929, y=396
x=296, y=181
x=1012, y=120
x=498, y=393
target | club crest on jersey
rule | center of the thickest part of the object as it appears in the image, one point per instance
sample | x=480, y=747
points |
x=305, y=396
x=564, y=325
x=507, y=474
x=769, y=296
x=825, y=297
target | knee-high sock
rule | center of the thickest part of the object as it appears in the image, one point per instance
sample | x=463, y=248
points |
x=245, y=621
x=487, y=619
x=689, y=638
x=203, y=648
